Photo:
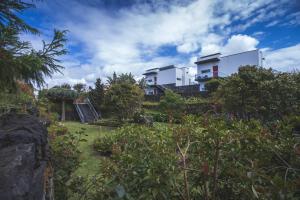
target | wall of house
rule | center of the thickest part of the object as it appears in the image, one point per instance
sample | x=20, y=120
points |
x=206, y=66
x=167, y=76
x=230, y=64
x=186, y=79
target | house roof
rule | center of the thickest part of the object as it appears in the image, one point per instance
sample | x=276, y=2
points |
x=149, y=73
x=210, y=55
x=207, y=60
x=166, y=67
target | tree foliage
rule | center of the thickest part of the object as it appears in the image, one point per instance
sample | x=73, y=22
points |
x=79, y=87
x=202, y=158
x=260, y=93
x=18, y=60
x=124, y=99
x=61, y=94
x=122, y=78
x=96, y=94
x=172, y=104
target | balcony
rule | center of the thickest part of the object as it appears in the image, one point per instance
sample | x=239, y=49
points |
x=203, y=77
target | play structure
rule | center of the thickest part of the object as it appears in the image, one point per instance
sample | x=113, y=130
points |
x=86, y=111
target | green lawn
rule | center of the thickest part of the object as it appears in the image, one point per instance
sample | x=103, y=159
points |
x=90, y=160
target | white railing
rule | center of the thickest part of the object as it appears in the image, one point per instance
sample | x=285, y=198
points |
x=95, y=113
x=81, y=116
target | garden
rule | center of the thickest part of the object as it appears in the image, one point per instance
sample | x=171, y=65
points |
x=239, y=141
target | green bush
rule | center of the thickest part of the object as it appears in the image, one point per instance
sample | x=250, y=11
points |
x=172, y=105
x=203, y=158
x=65, y=157
x=104, y=145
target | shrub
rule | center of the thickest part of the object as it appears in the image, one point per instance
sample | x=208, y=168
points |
x=124, y=99
x=204, y=158
x=104, y=145
x=172, y=104
x=65, y=158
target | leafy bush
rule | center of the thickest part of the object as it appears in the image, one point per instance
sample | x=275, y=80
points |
x=172, y=104
x=203, y=158
x=260, y=93
x=150, y=105
x=157, y=116
x=104, y=145
x=65, y=157
x=124, y=99
x=57, y=129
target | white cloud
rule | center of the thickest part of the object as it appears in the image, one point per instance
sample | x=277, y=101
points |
x=239, y=43
x=284, y=59
x=129, y=39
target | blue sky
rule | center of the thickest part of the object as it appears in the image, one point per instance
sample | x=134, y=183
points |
x=133, y=35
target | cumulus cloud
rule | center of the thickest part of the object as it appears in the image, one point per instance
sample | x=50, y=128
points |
x=284, y=59
x=239, y=43
x=129, y=39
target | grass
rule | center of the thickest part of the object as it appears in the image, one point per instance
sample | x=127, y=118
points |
x=90, y=160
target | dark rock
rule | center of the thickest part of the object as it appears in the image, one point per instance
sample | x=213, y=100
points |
x=24, y=167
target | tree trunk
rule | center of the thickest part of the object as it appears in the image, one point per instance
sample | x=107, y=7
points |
x=63, y=111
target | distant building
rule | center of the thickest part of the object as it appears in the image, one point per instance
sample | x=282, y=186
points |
x=215, y=65
x=156, y=78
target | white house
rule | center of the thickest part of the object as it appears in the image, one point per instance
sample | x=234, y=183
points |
x=216, y=65
x=169, y=75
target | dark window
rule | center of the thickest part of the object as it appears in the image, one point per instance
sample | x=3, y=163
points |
x=150, y=80
x=178, y=79
x=205, y=71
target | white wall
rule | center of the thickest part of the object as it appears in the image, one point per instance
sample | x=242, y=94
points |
x=230, y=64
x=186, y=79
x=167, y=76
x=206, y=66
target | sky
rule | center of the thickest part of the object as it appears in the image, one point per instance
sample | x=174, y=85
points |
x=122, y=36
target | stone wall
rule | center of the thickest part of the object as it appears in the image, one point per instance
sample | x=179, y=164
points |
x=25, y=170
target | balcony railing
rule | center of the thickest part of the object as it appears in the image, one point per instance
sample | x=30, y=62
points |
x=203, y=77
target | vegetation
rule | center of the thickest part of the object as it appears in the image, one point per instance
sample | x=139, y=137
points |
x=260, y=93
x=79, y=88
x=242, y=146
x=172, y=104
x=203, y=158
x=123, y=96
x=62, y=94
x=96, y=95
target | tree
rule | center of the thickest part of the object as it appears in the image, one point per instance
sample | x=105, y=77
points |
x=124, y=99
x=172, y=104
x=121, y=78
x=79, y=87
x=61, y=94
x=260, y=93
x=9, y=17
x=142, y=83
x=112, y=79
x=97, y=95
x=212, y=85
x=18, y=60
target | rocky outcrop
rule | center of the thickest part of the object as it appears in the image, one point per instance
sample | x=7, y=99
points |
x=25, y=170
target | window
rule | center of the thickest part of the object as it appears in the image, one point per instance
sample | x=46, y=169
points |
x=178, y=79
x=150, y=80
x=205, y=71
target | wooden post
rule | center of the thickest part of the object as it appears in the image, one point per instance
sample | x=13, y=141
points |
x=63, y=111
